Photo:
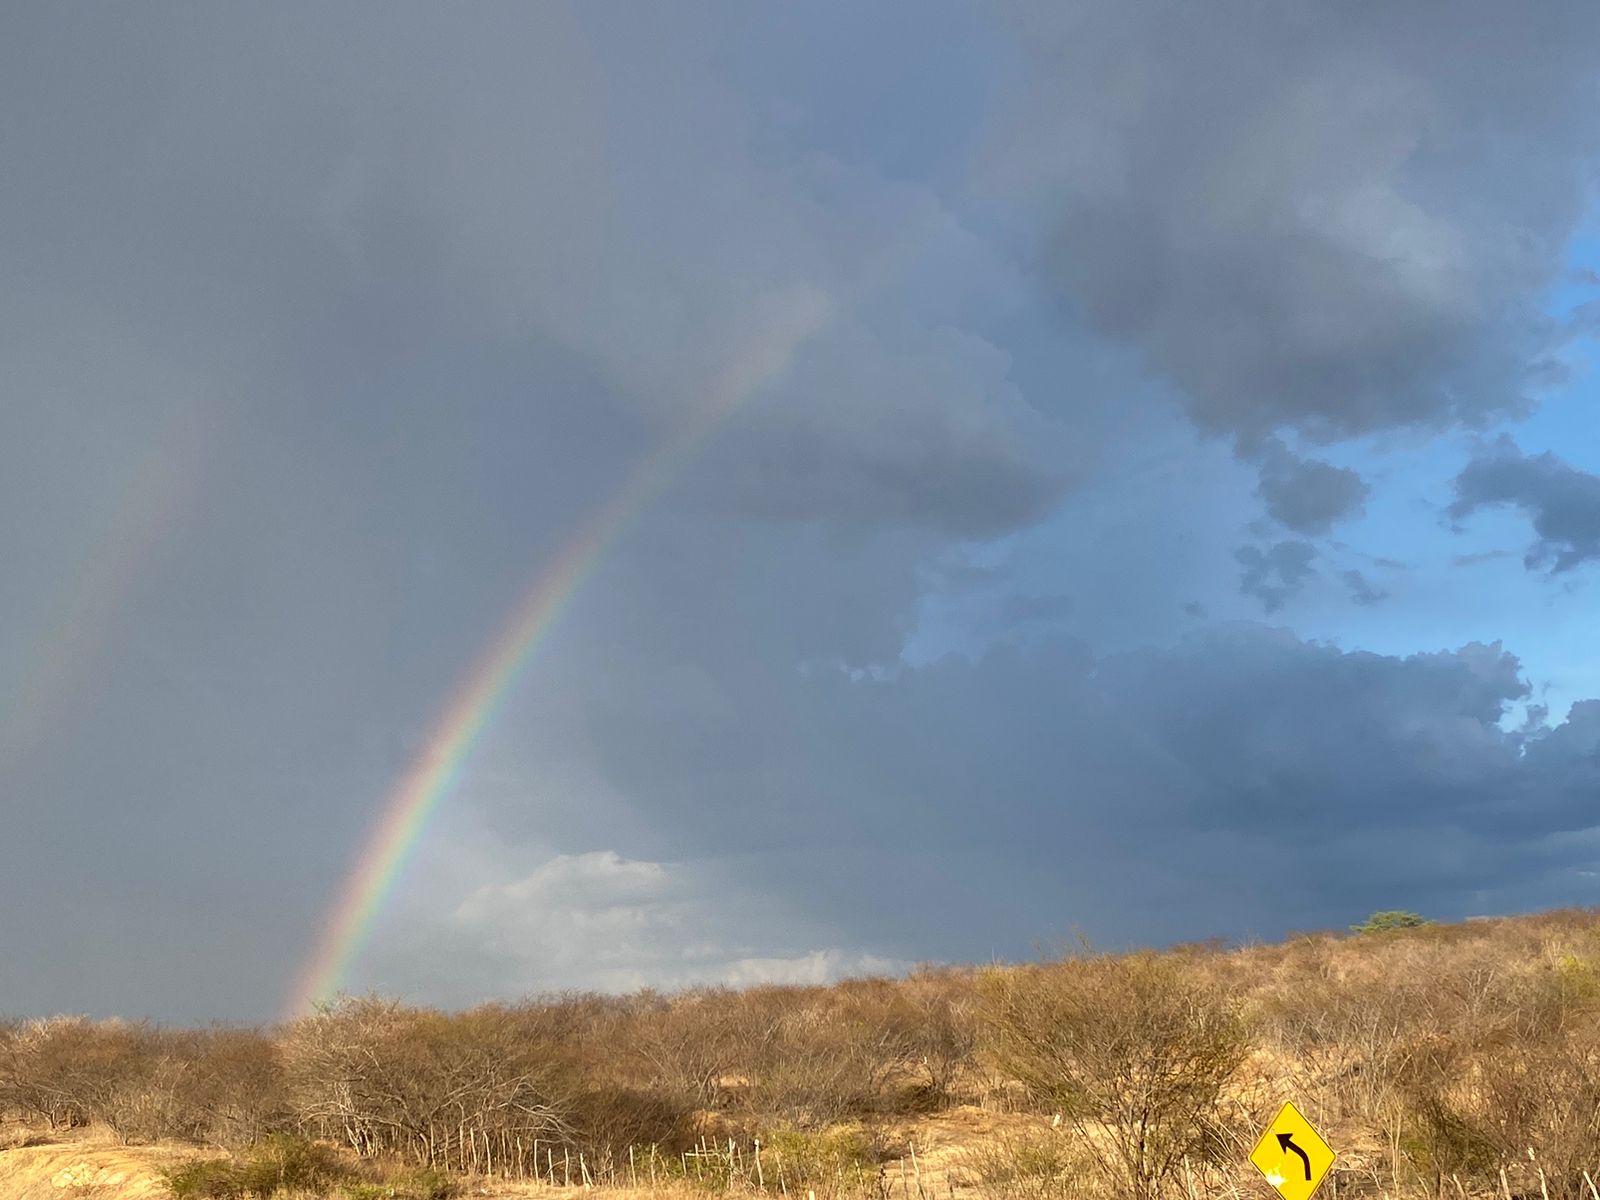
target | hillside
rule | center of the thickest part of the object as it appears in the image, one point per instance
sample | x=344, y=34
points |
x=1458, y=1060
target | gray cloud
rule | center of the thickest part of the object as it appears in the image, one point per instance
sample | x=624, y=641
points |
x=1027, y=609
x=1276, y=574
x=1290, y=270
x=1562, y=501
x=397, y=307
x=1361, y=590
x=1584, y=319
x=1307, y=495
x=730, y=293
x=1035, y=790
x=430, y=306
x=932, y=435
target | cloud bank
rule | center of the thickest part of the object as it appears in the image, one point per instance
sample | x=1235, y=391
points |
x=1049, y=343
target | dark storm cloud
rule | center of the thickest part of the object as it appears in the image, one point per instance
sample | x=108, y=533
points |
x=435, y=289
x=1307, y=495
x=1242, y=774
x=1330, y=218
x=1276, y=574
x=1562, y=501
x=327, y=231
x=438, y=290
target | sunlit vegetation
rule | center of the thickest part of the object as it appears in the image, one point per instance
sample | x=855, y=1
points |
x=1441, y=1060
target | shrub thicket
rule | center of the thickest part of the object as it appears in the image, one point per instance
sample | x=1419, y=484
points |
x=1442, y=1055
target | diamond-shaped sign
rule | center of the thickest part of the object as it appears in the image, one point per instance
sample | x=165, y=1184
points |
x=1292, y=1155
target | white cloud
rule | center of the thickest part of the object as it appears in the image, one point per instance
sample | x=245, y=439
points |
x=601, y=921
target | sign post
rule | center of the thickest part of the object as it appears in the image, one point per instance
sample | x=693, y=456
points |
x=1292, y=1156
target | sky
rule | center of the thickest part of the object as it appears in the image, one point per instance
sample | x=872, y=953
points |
x=1103, y=469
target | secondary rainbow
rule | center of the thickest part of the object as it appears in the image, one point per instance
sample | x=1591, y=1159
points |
x=145, y=514
x=431, y=776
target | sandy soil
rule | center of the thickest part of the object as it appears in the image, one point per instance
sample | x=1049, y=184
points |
x=85, y=1166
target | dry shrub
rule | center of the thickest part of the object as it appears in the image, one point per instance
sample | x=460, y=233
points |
x=281, y=1164
x=205, y=1179
x=844, y=1160
x=812, y=1057
x=1133, y=1052
x=129, y=1076
x=284, y=1167
x=378, y=1179
x=609, y=1119
x=819, y=1061
x=1030, y=1165
x=1468, y=1060
x=425, y=1085
x=1540, y=1094
x=239, y=1088
x=940, y=1011
x=690, y=1047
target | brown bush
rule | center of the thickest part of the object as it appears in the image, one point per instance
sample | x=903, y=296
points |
x=425, y=1085
x=1034, y=1165
x=238, y=1087
x=131, y=1077
x=816, y=1056
x=1133, y=1052
x=692, y=1047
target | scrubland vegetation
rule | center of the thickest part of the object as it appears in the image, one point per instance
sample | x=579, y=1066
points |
x=1440, y=1060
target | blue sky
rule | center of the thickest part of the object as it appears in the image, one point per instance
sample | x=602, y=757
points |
x=1119, y=492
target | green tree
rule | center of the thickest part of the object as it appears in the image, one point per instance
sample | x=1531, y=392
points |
x=1390, y=919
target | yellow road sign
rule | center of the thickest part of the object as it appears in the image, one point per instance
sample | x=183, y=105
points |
x=1292, y=1155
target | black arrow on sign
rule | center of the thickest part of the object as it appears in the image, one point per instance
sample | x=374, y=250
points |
x=1286, y=1143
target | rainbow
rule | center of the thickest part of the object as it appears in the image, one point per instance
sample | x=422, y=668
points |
x=85, y=612
x=414, y=800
